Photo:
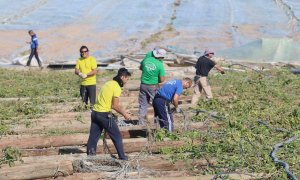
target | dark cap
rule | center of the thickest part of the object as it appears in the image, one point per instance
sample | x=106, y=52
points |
x=123, y=72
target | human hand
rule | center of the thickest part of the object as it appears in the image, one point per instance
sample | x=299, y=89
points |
x=83, y=76
x=127, y=116
x=176, y=110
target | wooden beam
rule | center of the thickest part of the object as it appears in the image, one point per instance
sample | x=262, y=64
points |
x=37, y=170
x=44, y=141
x=61, y=165
x=130, y=146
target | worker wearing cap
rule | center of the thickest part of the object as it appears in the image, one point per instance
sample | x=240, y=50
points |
x=203, y=66
x=169, y=93
x=107, y=99
x=153, y=73
x=86, y=68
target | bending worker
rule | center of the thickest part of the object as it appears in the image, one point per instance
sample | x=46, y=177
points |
x=101, y=118
x=86, y=68
x=203, y=66
x=153, y=73
x=169, y=93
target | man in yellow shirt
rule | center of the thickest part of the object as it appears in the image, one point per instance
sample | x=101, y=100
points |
x=86, y=68
x=107, y=99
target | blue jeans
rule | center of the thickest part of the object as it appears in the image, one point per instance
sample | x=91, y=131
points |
x=163, y=113
x=100, y=121
x=36, y=55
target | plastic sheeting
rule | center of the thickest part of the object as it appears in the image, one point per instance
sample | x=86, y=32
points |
x=112, y=27
x=265, y=50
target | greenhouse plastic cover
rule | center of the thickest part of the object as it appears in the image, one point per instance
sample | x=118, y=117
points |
x=236, y=29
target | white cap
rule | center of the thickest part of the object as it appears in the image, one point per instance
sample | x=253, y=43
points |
x=208, y=51
x=159, y=53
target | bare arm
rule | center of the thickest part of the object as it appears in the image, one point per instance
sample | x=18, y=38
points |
x=175, y=100
x=219, y=68
x=162, y=79
x=117, y=107
x=77, y=71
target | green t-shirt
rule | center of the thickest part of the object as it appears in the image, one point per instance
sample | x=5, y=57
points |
x=152, y=69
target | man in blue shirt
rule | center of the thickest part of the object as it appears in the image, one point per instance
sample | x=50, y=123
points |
x=34, y=49
x=169, y=93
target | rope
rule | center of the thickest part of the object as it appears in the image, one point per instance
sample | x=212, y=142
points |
x=105, y=146
x=282, y=163
x=237, y=64
x=277, y=146
x=97, y=164
x=222, y=175
x=271, y=127
x=211, y=114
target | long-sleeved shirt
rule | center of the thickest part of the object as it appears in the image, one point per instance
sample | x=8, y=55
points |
x=34, y=42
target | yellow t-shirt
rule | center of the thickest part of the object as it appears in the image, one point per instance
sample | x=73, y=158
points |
x=85, y=66
x=104, y=99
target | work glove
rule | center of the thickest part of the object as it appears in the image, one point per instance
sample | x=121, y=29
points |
x=83, y=76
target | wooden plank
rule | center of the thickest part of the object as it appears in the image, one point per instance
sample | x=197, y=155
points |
x=47, y=167
x=130, y=146
x=129, y=175
x=37, y=170
x=38, y=141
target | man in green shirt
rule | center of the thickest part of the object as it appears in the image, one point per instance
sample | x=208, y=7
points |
x=153, y=73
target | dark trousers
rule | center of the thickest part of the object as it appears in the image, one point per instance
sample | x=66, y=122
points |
x=163, y=113
x=36, y=55
x=146, y=95
x=100, y=121
x=88, y=92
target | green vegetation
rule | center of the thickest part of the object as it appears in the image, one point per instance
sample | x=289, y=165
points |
x=160, y=134
x=238, y=142
x=26, y=95
x=10, y=155
x=38, y=83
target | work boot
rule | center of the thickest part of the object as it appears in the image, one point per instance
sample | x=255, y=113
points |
x=91, y=152
x=125, y=158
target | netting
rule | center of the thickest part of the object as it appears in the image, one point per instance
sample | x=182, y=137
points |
x=97, y=164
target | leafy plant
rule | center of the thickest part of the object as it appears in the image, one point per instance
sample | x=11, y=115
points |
x=163, y=133
x=238, y=141
x=10, y=155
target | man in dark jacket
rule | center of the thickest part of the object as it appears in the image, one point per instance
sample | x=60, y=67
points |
x=203, y=66
x=34, y=49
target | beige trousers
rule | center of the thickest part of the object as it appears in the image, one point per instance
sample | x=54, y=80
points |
x=201, y=85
